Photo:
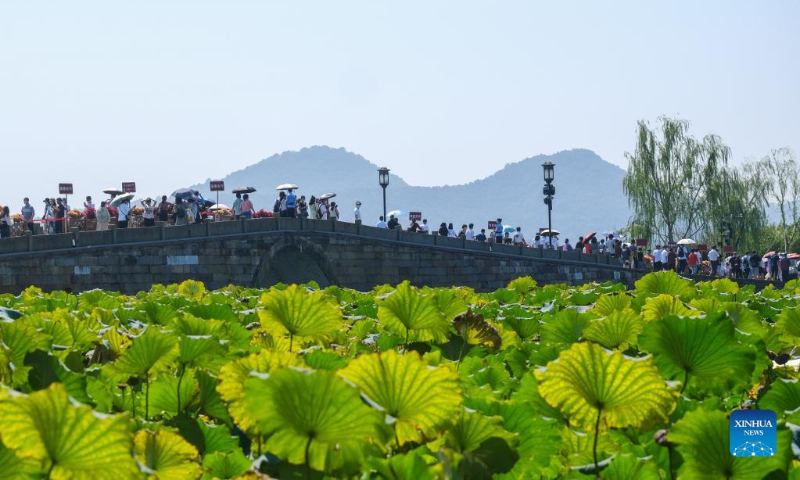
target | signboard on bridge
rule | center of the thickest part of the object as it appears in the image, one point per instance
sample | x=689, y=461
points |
x=492, y=224
x=727, y=249
x=414, y=216
x=129, y=187
x=641, y=242
x=217, y=186
x=65, y=188
x=702, y=247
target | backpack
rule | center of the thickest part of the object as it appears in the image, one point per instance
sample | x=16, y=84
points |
x=180, y=212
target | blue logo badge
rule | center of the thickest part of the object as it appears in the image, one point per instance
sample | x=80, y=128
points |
x=753, y=433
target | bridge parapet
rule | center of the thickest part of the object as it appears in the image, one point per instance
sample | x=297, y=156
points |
x=262, y=252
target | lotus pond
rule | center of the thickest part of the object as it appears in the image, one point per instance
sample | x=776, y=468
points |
x=399, y=382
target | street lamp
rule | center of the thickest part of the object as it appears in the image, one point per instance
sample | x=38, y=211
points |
x=383, y=180
x=549, y=191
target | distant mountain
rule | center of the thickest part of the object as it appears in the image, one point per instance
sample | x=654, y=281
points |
x=588, y=190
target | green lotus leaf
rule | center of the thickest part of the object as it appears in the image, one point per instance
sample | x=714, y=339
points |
x=702, y=348
x=410, y=466
x=702, y=439
x=607, y=304
x=213, y=311
x=448, y=303
x=192, y=289
x=525, y=323
x=225, y=466
x=193, y=326
x=420, y=399
x=589, y=384
x=204, y=351
x=474, y=330
x=233, y=375
x=666, y=283
x=18, y=339
x=14, y=468
x=539, y=440
x=664, y=305
x=528, y=394
x=164, y=394
x=150, y=352
x=706, y=305
x=788, y=325
x=725, y=285
x=745, y=319
x=471, y=429
x=412, y=315
x=783, y=397
x=217, y=438
x=66, y=440
x=158, y=313
x=298, y=313
x=164, y=454
x=628, y=467
x=619, y=329
x=522, y=285
x=322, y=360
x=566, y=328
x=311, y=417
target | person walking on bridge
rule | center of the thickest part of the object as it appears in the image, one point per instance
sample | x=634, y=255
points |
x=28, y=212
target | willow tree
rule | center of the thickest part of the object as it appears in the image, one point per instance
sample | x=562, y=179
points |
x=668, y=178
x=737, y=202
x=783, y=186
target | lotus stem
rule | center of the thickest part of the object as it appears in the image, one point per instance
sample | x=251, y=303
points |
x=307, y=462
x=291, y=340
x=180, y=378
x=596, y=435
x=146, y=395
x=685, y=381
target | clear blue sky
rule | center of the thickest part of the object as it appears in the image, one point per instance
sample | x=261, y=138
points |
x=171, y=93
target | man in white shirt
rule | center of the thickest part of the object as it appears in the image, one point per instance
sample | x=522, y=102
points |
x=122, y=214
x=357, y=213
x=470, y=235
x=519, y=239
x=657, y=266
x=425, y=228
x=665, y=260
x=382, y=224
x=713, y=257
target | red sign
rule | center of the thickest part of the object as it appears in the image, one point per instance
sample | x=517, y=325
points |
x=65, y=188
x=492, y=224
x=727, y=249
x=217, y=186
x=702, y=247
x=129, y=187
x=641, y=242
x=414, y=216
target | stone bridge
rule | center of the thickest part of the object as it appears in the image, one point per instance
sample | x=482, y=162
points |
x=262, y=252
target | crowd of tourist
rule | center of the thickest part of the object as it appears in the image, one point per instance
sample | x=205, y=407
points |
x=683, y=259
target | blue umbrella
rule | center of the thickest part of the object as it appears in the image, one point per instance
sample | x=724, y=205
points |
x=184, y=193
x=509, y=229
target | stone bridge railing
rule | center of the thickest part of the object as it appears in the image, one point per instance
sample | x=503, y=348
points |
x=264, y=251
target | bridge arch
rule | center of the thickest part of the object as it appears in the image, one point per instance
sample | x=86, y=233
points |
x=294, y=259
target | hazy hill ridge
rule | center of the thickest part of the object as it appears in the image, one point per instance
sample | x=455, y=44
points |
x=588, y=190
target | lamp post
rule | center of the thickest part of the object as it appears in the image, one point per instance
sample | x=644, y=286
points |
x=383, y=180
x=549, y=191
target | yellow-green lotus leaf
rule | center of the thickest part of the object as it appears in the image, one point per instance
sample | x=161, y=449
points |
x=619, y=329
x=412, y=315
x=233, y=375
x=311, y=412
x=588, y=380
x=165, y=455
x=69, y=441
x=299, y=313
x=417, y=397
x=607, y=304
x=664, y=305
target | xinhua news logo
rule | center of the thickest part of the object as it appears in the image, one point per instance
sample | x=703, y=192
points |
x=753, y=433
